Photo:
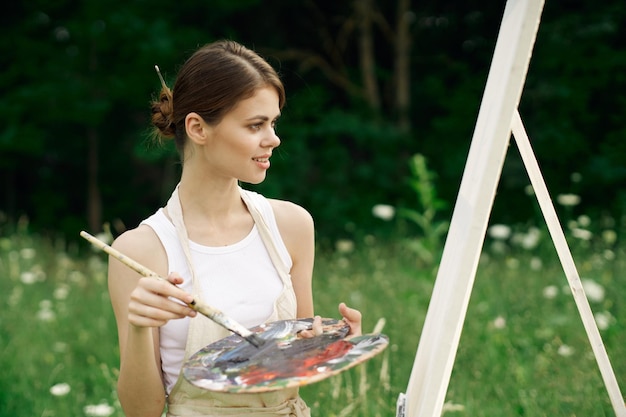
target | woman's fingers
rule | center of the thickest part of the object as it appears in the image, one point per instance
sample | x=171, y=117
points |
x=317, y=326
x=316, y=329
x=174, y=278
x=352, y=317
x=153, y=302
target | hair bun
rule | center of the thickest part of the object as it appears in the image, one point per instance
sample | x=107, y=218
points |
x=162, y=114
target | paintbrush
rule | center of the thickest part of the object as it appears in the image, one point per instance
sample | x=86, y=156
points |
x=212, y=313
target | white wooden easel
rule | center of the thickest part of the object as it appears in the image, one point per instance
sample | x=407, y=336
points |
x=497, y=119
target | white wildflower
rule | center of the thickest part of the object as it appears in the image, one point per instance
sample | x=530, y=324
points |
x=584, y=220
x=594, y=291
x=59, y=347
x=103, y=237
x=528, y=240
x=608, y=254
x=568, y=200
x=609, y=236
x=536, y=263
x=76, y=277
x=499, y=231
x=28, y=277
x=383, y=211
x=61, y=292
x=581, y=234
x=499, y=322
x=63, y=260
x=45, y=312
x=60, y=390
x=46, y=315
x=550, y=292
x=344, y=246
x=603, y=319
x=565, y=350
x=39, y=272
x=498, y=246
x=99, y=410
x=28, y=253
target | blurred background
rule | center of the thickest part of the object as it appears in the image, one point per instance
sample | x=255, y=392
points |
x=370, y=84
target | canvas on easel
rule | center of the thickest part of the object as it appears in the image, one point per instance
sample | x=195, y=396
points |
x=497, y=119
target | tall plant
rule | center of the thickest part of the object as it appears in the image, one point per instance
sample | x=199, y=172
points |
x=428, y=246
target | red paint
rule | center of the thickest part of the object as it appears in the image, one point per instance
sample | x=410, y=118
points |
x=299, y=365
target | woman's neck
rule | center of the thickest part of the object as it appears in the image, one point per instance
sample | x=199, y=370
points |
x=213, y=211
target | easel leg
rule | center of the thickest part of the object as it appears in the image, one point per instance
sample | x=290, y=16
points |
x=565, y=255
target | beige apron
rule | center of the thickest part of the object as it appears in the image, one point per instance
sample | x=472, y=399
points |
x=189, y=401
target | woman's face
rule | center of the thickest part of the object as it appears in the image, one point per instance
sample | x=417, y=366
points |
x=240, y=145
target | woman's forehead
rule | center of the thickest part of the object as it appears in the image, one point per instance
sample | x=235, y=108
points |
x=264, y=102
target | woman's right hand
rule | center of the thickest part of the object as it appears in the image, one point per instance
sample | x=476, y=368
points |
x=154, y=302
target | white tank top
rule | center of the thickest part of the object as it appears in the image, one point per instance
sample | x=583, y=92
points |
x=244, y=290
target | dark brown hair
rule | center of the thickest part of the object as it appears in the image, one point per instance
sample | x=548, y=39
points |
x=211, y=83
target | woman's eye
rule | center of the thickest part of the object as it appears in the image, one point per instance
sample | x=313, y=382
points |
x=256, y=126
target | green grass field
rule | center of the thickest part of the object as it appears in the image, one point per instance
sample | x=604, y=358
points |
x=523, y=351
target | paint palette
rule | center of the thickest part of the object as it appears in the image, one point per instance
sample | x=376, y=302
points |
x=285, y=360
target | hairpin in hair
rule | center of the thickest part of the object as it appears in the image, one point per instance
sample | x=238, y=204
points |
x=156, y=67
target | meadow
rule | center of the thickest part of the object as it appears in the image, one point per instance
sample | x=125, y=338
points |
x=523, y=351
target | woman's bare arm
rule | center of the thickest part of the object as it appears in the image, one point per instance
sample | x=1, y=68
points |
x=297, y=230
x=141, y=306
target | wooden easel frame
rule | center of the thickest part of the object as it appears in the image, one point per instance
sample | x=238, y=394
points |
x=497, y=119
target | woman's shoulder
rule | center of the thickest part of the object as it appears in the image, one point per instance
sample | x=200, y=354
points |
x=290, y=214
x=285, y=212
x=296, y=227
x=140, y=243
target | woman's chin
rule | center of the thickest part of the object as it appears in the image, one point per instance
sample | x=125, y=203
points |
x=253, y=181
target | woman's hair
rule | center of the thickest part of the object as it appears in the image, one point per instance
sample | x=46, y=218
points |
x=211, y=83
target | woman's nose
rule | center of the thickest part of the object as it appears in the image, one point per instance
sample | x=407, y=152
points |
x=272, y=139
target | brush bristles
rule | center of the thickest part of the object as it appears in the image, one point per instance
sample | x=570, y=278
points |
x=255, y=340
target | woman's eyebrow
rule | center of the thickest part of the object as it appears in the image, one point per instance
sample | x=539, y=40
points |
x=262, y=117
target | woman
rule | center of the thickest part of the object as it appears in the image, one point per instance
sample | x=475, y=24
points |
x=249, y=256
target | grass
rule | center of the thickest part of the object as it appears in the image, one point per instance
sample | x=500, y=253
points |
x=523, y=351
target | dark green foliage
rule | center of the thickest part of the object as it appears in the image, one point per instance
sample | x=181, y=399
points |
x=77, y=77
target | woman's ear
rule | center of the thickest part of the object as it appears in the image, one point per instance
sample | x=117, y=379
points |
x=196, y=128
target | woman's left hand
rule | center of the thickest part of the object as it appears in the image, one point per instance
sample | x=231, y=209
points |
x=350, y=316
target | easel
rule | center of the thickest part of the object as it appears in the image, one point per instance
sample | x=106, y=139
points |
x=497, y=119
